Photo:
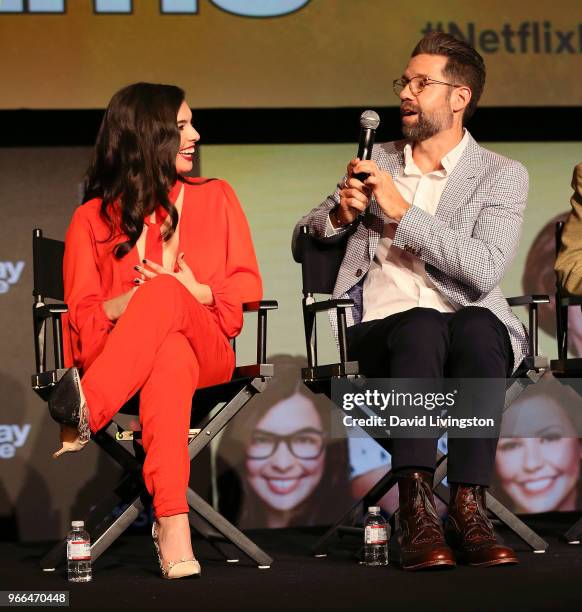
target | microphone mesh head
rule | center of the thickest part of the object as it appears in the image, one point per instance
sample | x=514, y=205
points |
x=369, y=119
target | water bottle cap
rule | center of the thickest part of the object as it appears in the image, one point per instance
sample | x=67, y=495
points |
x=374, y=509
x=78, y=523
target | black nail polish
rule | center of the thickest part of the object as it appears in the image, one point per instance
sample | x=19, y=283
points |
x=144, y=260
x=136, y=268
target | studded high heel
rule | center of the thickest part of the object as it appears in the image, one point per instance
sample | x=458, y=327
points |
x=67, y=406
x=175, y=569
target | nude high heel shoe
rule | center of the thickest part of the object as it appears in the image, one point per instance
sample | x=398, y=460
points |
x=72, y=441
x=175, y=569
x=67, y=406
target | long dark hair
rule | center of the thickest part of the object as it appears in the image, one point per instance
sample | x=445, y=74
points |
x=134, y=162
x=237, y=500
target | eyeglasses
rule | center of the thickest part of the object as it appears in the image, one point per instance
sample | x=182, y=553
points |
x=417, y=84
x=303, y=444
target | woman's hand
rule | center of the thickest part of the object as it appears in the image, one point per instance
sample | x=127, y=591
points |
x=382, y=186
x=116, y=306
x=201, y=292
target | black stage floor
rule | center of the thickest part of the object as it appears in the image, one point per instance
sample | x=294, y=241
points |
x=127, y=576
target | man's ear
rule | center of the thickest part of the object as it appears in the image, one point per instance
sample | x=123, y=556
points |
x=460, y=99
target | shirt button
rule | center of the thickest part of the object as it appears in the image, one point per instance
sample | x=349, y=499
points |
x=359, y=272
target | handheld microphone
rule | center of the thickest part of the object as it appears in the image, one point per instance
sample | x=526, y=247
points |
x=369, y=122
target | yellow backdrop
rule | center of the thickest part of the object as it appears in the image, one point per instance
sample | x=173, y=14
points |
x=325, y=53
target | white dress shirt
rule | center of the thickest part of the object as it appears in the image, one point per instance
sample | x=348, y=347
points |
x=397, y=280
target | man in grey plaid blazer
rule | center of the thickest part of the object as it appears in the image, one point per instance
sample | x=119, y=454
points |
x=429, y=235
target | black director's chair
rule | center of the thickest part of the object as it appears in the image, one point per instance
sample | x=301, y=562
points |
x=320, y=264
x=212, y=409
x=567, y=369
x=564, y=366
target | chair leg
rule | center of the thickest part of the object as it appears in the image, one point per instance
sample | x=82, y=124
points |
x=228, y=530
x=530, y=537
x=503, y=514
x=106, y=531
x=221, y=419
x=112, y=529
x=210, y=523
x=320, y=548
x=376, y=493
x=574, y=534
x=130, y=487
x=213, y=537
x=118, y=450
x=442, y=493
x=55, y=557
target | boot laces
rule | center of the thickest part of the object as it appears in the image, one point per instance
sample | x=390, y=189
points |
x=478, y=525
x=424, y=512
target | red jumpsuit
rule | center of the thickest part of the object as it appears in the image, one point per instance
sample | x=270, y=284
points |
x=166, y=344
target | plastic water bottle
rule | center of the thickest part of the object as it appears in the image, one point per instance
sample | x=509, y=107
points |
x=78, y=553
x=375, y=538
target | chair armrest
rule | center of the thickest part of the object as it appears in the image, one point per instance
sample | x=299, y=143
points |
x=46, y=311
x=328, y=305
x=318, y=378
x=571, y=300
x=532, y=302
x=261, y=305
x=525, y=300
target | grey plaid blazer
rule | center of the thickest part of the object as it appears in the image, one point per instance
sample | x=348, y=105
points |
x=467, y=246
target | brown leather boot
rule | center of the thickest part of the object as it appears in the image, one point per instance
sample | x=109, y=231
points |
x=470, y=532
x=421, y=542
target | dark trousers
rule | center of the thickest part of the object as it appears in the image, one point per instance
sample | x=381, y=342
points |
x=425, y=343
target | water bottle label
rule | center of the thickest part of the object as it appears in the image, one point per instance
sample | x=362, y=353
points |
x=79, y=550
x=376, y=534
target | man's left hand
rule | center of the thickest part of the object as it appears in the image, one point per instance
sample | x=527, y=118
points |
x=384, y=189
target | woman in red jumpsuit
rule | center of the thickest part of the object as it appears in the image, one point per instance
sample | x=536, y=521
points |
x=156, y=270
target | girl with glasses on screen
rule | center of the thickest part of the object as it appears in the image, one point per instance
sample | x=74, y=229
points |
x=278, y=466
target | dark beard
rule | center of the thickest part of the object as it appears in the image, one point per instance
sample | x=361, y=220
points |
x=427, y=126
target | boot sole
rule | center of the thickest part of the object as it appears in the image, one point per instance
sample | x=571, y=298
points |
x=425, y=565
x=512, y=561
x=462, y=560
x=428, y=566
x=395, y=553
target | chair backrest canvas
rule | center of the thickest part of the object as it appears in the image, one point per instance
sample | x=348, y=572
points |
x=320, y=262
x=47, y=256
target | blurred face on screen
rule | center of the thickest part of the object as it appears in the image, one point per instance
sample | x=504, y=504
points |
x=188, y=138
x=285, y=457
x=430, y=111
x=541, y=473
